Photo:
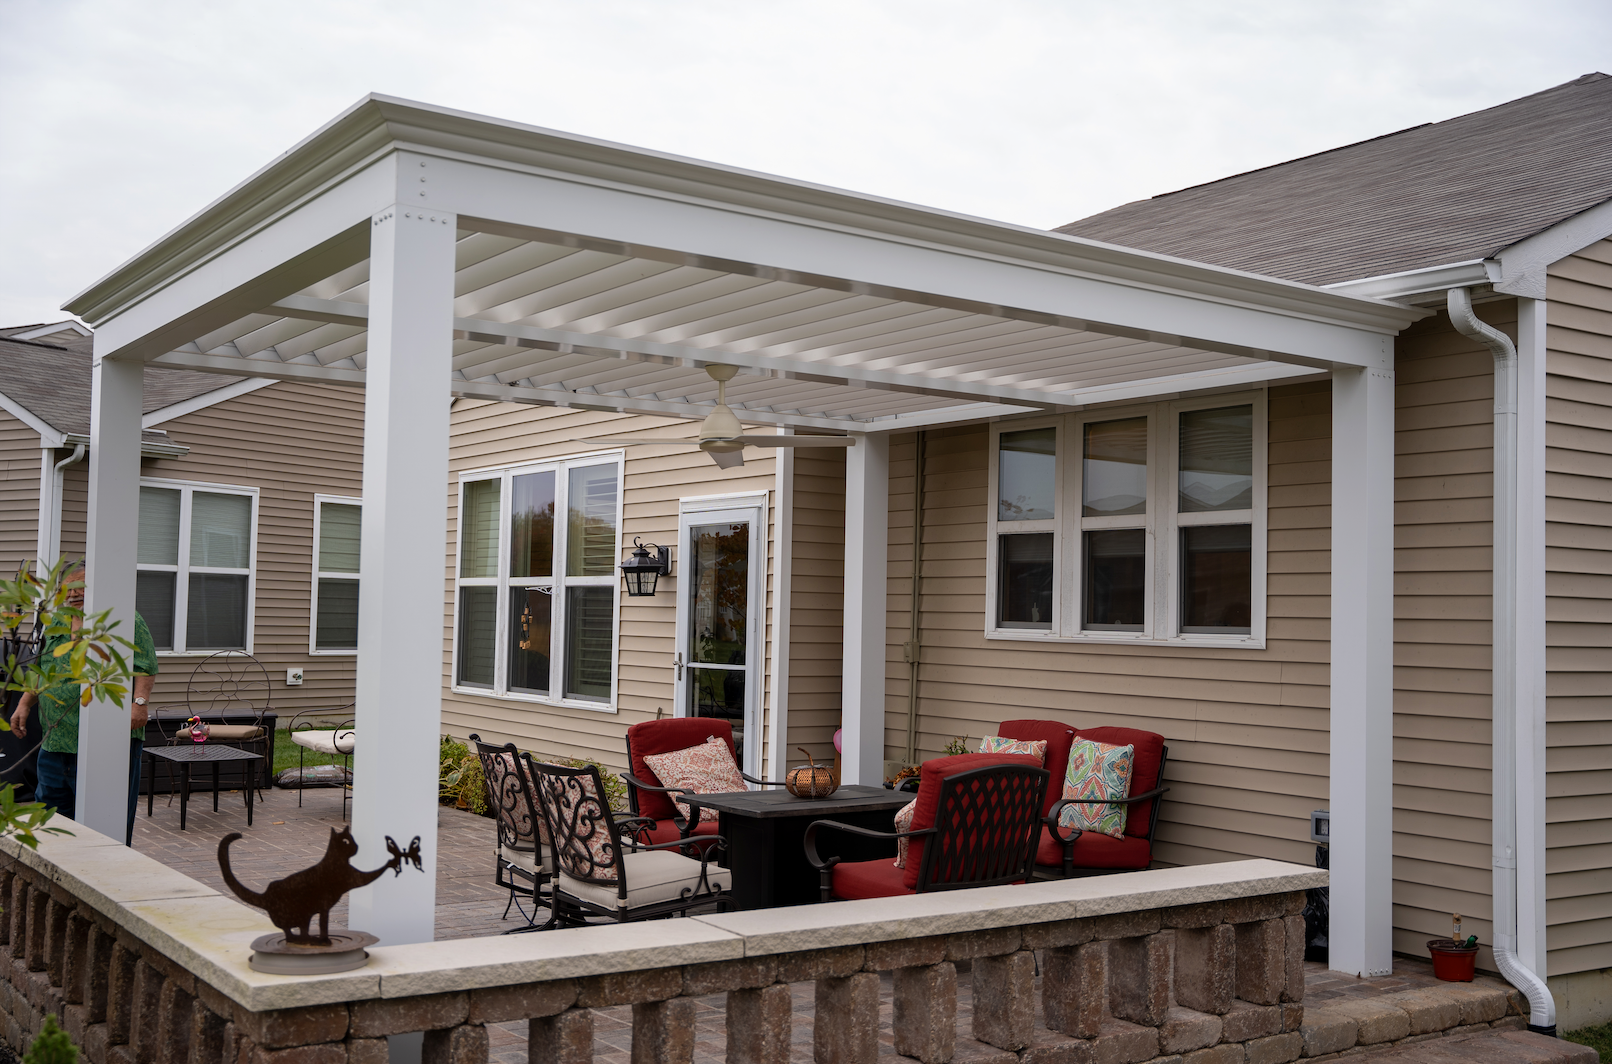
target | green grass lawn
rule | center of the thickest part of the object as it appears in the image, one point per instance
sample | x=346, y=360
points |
x=1597, y=1038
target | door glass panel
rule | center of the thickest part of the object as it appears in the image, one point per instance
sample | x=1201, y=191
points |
x=720, y=586
x=478, y=539
x=591, y=521
x=1114, y=474
x=159, y=526
x=531, y=530
x=531, y=620
x=1024, y=597
x=220, y=532
x=1217, y=459
x=720, y=693
x=1216, y=579
x=1115, y=579
x=1026, y=475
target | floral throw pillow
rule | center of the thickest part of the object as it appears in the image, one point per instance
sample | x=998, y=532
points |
x=511, y=806
x=585, y=848
x=904, y=823
x=997, y=744
x=704, y=769
x=1097, y=771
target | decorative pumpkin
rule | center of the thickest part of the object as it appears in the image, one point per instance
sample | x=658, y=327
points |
x=811, y=780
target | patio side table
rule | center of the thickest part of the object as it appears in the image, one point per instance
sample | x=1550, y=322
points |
x=204, y=754
x=766, y=832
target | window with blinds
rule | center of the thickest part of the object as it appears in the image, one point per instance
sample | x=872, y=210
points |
x=338, y=522
x=537, y=583
x=195, y=565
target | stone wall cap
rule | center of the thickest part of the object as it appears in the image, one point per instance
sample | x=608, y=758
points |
x=799, y=927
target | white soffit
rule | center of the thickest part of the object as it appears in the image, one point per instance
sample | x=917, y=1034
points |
x=589, y=319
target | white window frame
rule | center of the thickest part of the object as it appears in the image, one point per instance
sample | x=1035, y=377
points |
x=1162, y=522
x=313, y=595
x=183, y=570
x=559, y=581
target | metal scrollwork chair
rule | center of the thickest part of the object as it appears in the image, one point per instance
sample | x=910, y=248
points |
x=226, y=684
x=524, y=860
x=601, y=871
x=975, y=823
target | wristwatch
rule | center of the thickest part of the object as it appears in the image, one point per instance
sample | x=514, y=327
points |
x=139, y=701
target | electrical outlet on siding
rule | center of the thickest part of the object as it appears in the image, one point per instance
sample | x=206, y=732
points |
x=293, y=677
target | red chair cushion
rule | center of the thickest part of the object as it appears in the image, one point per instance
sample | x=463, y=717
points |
x=923, y=815
x=1058, y=736
x=867, y=879
x=663, y=737
x=666, y=830
x=1144, y=768
x=1095, y=850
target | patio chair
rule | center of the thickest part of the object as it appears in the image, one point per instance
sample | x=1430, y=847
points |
x=975, y=825
x=1062, y=855
x=523, y=860
x=225, y=684
x=647, y=796
x=316, y=733
x=600, y=868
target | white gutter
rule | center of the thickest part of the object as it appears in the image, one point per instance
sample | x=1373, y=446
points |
x=50, y=503
x=1541, y=1006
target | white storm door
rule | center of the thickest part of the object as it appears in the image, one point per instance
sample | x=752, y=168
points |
x=721, y=606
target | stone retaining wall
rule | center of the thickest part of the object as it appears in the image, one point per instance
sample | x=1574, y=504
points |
x=148, y=967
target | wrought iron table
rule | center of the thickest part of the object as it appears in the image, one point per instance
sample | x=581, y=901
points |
x=204, y=754
x=766, y=830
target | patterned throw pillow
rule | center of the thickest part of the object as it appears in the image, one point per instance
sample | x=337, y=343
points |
x=510, y=806
x=1097, y=771
x=585, y=849
x=997, y=744
x=904, y=823
x=704, y=769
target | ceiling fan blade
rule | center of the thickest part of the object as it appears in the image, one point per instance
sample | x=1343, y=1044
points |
x=795, y=441
x=634, y=441
x=727, y=459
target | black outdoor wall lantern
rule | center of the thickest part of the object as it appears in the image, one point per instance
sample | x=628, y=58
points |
x=644, y=568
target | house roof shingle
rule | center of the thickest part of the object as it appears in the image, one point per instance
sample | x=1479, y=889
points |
x=51, y=379
x=1439, y=193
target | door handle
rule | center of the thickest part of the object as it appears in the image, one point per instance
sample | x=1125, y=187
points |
x=677, y=660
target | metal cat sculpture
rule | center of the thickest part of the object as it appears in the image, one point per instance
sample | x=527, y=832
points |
x=293, y=902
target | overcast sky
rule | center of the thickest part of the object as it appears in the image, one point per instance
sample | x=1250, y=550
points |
x=120, y=118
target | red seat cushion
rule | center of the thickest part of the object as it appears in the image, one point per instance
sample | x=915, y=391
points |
x=666, y=830
x=923, y=815
x=867, y=879
x=1058, y=736
x=1096, y=850
x=1144, y=769
x=663, y=737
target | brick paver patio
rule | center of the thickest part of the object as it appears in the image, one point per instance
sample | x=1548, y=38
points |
x=285, y=838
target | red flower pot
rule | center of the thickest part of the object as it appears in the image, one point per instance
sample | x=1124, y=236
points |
x=1453, y=962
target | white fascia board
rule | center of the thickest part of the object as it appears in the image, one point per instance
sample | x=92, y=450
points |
x=202, y=402
x=1523, y=265
x=48, y=436
x=1432, y=281
x=505, y=171
x=327, y=231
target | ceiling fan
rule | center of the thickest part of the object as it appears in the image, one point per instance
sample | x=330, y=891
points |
x=721, y=435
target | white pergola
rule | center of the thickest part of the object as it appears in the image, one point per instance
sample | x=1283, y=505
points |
x=421, y=253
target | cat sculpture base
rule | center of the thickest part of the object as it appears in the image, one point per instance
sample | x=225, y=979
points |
x=276, y=955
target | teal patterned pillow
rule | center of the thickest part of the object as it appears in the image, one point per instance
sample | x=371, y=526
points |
x=1097, y=771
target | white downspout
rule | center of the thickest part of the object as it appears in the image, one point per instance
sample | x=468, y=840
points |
x=1541, y=1006
x=50, y=508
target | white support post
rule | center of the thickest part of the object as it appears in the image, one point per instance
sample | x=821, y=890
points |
x=783, y=568
x=867, y=538
x=1529, y=669
x=399, y=711
x=1362, y=682
x=111, y=550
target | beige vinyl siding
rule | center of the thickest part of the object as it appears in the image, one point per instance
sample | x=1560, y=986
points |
x=817, y=603
x=487, y=435
x=19, y=494
x=1578, y=535
x=1247, y=729
x=290, y=441
x=1443, y=584
x=75, y=507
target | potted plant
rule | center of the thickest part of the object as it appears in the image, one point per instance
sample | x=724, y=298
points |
x=1455, y=959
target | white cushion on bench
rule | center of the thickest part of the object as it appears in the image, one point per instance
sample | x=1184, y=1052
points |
x=326, y=742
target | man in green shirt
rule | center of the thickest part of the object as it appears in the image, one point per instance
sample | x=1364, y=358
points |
x=58, y=754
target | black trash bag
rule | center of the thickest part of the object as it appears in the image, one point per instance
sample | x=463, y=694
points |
x=1317, y=914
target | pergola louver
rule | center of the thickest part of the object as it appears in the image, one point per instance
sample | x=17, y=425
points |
x=421, y=252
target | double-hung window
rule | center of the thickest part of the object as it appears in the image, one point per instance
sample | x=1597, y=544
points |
x=535, y=616
x=337, y=522
x=196, y=556
x=1141, y=524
